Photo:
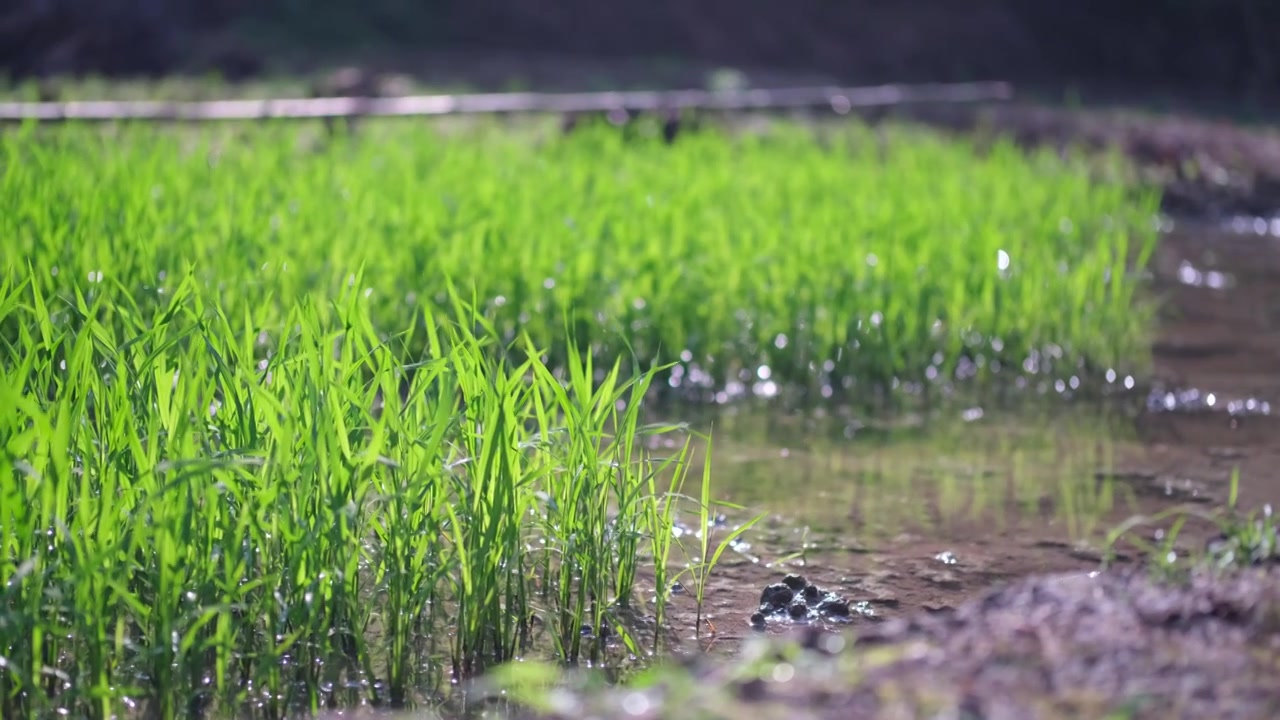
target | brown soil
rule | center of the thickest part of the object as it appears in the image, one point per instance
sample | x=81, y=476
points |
x=1205, y=166
x=1116, y=644
x=1080, y=644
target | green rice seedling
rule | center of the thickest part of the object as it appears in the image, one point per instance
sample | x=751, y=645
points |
x=1251, y=539
x=598, y=501
x=209, y=513
x=699, y=569
x=841, y=262
x=660, y=522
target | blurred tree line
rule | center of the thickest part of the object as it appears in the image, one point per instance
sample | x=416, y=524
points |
x=1221, y=43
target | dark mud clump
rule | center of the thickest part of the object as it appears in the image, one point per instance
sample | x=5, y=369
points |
x=796, y=600
x=1079, y=645
x=1205, y=646
x=1109, y=644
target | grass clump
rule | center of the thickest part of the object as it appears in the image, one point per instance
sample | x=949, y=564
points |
x=834, y=262
x=1239, y=539
x=193, y=521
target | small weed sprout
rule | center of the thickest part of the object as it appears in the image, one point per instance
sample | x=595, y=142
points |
x=700, y=568
x=1246, y=540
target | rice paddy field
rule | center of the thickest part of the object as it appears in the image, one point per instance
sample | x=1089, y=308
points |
x=303, y=419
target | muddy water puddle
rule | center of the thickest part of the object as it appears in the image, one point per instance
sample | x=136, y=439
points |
x=926, y=513
x=1221, y=343
x=899, y=526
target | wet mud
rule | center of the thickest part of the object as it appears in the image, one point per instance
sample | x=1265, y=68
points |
x=1120, y=644
x=1205, y=167
x=1084, y=643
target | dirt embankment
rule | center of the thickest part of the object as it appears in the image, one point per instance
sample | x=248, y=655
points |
x=1078, y=645
x=1206, y=168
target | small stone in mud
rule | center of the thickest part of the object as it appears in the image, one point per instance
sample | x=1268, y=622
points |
x=798, y=609
x=812, y=593
x=946, y=557
x=776, y=597
x=757, y=620
x=795, y=582
x=834, y=606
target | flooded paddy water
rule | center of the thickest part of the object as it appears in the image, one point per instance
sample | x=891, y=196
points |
x=915, y=514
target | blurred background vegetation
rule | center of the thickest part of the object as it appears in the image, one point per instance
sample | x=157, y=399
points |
x=1218, y=46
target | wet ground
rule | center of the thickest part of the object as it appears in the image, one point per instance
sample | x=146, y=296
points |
x=1095, y=645
x=1206, y=167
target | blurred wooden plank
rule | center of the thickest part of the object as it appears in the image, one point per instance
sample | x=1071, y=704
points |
x=837, y=98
